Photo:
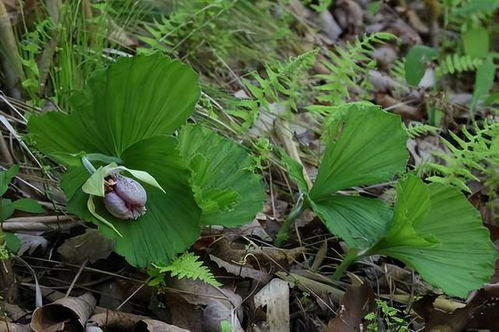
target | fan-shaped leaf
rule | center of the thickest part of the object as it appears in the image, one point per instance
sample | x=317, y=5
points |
x=359, y=221
x=365, y=146
x=135, y=98
x=227, y=191
x=451, y=248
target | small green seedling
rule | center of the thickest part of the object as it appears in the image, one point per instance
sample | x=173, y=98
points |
x=7, y=208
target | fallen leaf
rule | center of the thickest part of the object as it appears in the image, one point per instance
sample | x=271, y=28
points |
x=117, y=320
x=31, y=242
x=357, y=302
x=91, y=246
x=221, y=304
x=241, y=270
x=150, y=325
x=12, y=327
x=63, y=313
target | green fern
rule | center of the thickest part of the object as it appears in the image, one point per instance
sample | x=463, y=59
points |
x=452, y=64
x=477, y=152
x=416, y=129
x=282, y=84
x=184, y=266
x=282, y=80
x=349, y=66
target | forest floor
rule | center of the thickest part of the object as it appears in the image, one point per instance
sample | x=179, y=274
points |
x=271, y=73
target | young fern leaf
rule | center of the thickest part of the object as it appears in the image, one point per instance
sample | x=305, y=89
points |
x=188, y=266
x=282, y=83
x=453, y=64
x=475, y=153
x=349, y=66
x=417, y=129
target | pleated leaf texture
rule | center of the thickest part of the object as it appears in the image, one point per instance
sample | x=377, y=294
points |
x=128, y=113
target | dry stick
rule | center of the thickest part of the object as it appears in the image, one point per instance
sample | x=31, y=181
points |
x=41, y=219
x=284, y=135
x=54, y=7
x=80, y=270
x=5, y=151
x=11, y=62
x=14, y=227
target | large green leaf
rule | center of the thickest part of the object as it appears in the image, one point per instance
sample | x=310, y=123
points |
x=227, y=191
x=171, y=223
x=134, y=99
x=365, y=146
x=359, y=221
x=451, y=248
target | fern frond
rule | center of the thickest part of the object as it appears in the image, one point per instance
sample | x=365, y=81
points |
x=349, y=66
x=188, y=266
x=475, y=153
x=454, y=63
x=416, y=129
x=283, y=84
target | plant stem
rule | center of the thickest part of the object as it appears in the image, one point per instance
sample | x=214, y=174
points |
x=351, y=256
x=88, y=165
x=282, y=235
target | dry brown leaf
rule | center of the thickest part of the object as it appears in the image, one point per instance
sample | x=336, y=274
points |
x=241, y=270
x=91, y=246
x=150, y=325
x=385, y=55
x=275, y=297
x=357, y=302
x=68, y=311
x=408, y=112
x=120, y=321
x=330, y=26
x=416, y=22
x=222, y=304
x=12, y=327
x=324, y=291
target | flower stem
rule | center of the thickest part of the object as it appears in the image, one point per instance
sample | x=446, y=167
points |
x=282, y=235
x=88, y=165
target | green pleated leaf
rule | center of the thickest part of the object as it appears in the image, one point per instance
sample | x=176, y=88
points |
x=451, y=248
x=134, y=99
x=359, y=221
x=171, y=223
x=413, y=203
x=225, y=188
x=364, y=146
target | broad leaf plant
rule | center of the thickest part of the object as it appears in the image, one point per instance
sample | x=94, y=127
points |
x=432, y=228
x=131, y=118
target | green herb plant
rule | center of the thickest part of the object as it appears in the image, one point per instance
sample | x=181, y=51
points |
x=7, y=208
x=386, y=316
x=133, y=114
x=432, y=228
